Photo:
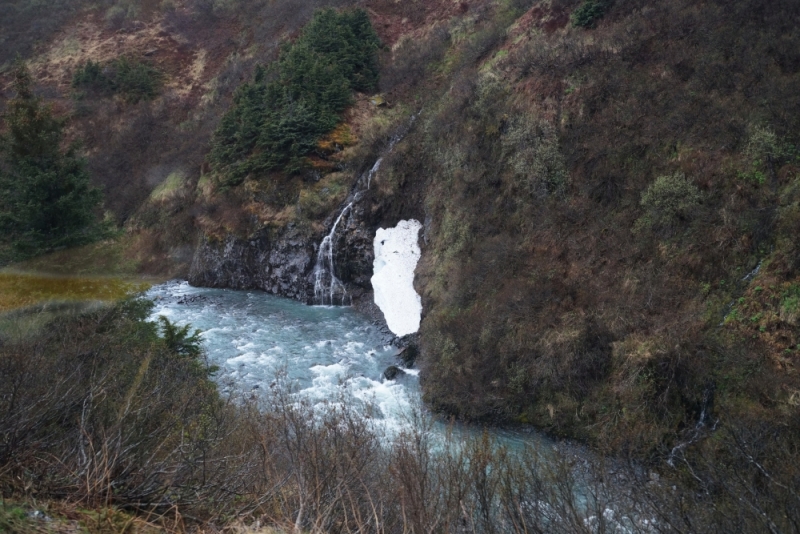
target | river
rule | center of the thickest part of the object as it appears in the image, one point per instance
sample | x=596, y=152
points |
x=327, y=353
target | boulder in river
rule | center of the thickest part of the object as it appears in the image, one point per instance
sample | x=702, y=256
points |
x=393, y=372
x=408, y=355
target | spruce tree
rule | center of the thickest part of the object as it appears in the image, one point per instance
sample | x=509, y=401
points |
x=46, y=199
x=277, y=119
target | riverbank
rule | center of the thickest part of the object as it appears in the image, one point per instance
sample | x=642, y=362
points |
x=102, y=412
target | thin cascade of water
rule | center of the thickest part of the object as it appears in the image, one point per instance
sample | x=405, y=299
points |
x=324, y=267
x=326, y=284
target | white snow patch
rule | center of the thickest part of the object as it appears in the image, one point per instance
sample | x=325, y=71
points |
x=396, y=257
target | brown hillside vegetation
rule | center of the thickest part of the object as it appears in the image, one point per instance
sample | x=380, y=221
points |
x=594, y=197
x=568, y=285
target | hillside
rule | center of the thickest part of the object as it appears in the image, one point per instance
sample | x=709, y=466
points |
x=610, y=193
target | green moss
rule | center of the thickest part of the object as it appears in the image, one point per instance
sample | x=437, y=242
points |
x=322, y=198
x=169, y=186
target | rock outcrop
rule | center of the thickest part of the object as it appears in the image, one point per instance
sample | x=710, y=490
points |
x=281, y=261
x=276, y=262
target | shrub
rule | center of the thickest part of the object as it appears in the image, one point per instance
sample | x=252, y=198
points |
x=668, y=202
x=413, y=57
x=765, y=153
x=277, y=119
x=96, y=409
x=790, y=304
x=144, y=403
x=536, y=158
x=589, y=12
x=136, y=80
x=115, y=16
x=763, y=145
x=133, y=79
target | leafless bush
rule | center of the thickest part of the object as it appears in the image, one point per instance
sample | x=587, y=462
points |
x=91, y=413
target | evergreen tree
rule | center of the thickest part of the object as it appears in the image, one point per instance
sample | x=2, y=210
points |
x=277, y=119
x=46, y=200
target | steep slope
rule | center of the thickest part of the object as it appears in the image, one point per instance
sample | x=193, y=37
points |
x=565, y=283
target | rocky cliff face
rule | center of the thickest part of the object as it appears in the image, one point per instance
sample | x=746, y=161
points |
x=276, y=262
x=281, y=261
x=353, y=252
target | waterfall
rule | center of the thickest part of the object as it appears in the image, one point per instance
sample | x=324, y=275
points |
x=326, y=284
x=324, y=267
x=701, y=428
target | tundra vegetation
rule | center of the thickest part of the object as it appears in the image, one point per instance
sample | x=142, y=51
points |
x=613, y=192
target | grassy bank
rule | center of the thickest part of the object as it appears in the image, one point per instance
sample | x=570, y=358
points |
x=18, y=290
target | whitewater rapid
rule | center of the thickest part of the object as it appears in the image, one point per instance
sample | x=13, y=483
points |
x=327, y=354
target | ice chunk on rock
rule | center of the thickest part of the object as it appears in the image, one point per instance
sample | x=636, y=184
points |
x=396, y=256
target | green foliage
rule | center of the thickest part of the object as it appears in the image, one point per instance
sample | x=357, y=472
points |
x=178, y=339
x=668, y=202
x=13, y=519
x=589, y=12
x=536, y=158
x=46, y=198
x=754, y=175
x=763, y=145
x=790, y=303
x=90, y=74
x=134, y=80
x=764, y=152
x=277, y=119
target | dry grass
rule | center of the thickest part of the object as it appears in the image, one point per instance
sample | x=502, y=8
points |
x=22, y=290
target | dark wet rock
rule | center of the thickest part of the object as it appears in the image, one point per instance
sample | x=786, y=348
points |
x=191, y=299
x=408, y=355
x=406, y=341
x=278, y=264
x=393, y=372
x=365, y=305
